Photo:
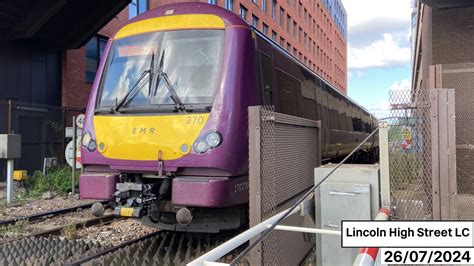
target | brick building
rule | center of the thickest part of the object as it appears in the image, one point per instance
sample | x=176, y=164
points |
x=314, y=31
x=443, y=57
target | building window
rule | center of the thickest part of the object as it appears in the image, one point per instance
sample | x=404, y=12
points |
x=212, y=2
x=282, y=42
x=282, y=15
x=274, y=35
x=137, y=7
x=254, y=21
x=274, y=3
x=288, y=24
x=229, y=5
x=295, y=31
x=264, y=5
x=265, y=28
x=94, y=49
x=243, y=12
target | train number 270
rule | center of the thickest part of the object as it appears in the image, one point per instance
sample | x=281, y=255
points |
x=192, y=120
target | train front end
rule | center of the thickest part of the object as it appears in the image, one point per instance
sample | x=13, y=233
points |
x=165, y=133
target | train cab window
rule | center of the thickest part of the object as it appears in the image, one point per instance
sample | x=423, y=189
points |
x=287, y=88
x=94, y=50
x=192, y=73
x=265, y=79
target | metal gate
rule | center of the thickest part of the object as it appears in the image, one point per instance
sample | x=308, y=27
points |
x=283, y=152
x=422, y=155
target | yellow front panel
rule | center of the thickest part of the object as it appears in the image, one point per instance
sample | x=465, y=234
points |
x=177, y=22
x=143, y=137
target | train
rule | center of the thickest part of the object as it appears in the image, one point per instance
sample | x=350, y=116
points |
x=166, y=126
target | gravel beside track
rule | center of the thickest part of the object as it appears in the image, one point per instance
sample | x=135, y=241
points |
x=40, y=205
x=115, y=233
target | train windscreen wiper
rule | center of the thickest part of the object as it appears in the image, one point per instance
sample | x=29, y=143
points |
x=135, y=89
x=173, y=94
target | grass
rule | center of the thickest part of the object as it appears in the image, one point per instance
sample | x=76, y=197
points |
x=3, y=208
x=70, y=231
x=13, y=229
x=58, y=179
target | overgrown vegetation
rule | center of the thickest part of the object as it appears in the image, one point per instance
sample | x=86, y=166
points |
x=3, y=209
x=13, y=229
x=70, y=231
x=58, y=179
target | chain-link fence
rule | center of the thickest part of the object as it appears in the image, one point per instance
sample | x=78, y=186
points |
x=284, y=150
x=410, y=155
x=42, y=130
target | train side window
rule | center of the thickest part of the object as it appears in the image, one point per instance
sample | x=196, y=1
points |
x=357, y=123
x=287, y=87
x=265, y=79
x=307, y=105
x=333, y=112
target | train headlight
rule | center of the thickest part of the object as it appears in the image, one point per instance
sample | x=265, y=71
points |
x=86, y=139
x=201, y=146
x=92, y=145
x=213, y=139
x=185, y=149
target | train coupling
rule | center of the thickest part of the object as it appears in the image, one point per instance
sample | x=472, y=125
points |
x=133, y=199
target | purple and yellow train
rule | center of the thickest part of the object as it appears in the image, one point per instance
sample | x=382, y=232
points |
x=166, y=133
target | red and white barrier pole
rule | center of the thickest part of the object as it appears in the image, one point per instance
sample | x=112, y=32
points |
x=367, y=256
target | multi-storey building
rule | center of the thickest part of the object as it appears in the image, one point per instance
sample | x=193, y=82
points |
x=314, y=31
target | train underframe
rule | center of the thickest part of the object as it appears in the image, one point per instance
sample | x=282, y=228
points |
x=193, y=204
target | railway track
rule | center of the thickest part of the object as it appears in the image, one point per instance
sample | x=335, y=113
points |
x=106, y=219
x=157, y=248
x=45, y=215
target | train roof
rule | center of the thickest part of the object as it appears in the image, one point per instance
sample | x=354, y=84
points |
x=229, y=18
x=292, y=57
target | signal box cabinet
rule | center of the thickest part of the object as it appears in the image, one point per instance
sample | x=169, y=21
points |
x=351, y=193
x=10, y=146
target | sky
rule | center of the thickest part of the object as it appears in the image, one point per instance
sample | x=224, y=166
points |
x=379, y=51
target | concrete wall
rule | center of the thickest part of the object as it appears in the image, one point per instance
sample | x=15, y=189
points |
x=29, y=74
x=453, y=35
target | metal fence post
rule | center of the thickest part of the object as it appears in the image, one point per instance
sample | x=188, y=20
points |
x=255, y=206
x=384, y=165
x=10, y=181
x=74, y=151
x=443, y=139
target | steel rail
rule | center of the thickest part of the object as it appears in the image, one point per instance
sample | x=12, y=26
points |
x=106, y=219
x=47, y=214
